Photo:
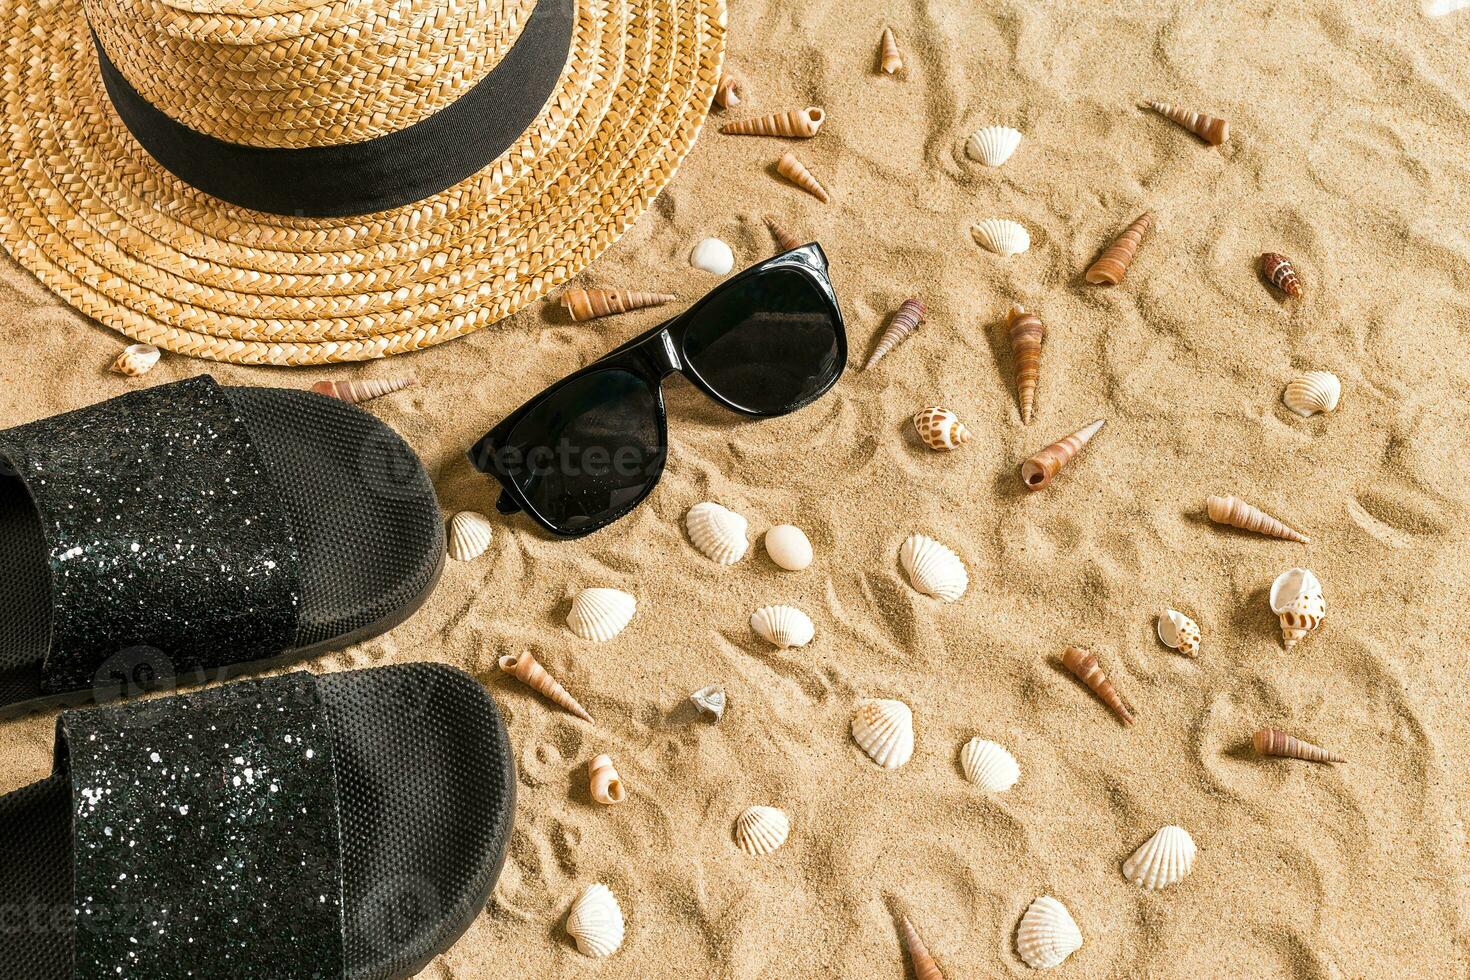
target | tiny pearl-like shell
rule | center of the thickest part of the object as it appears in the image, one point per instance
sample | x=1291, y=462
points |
x=468, y=535
x=788, y=547
x=761, y=830
x=710, y=701
x=713, y=256
x=596, y=922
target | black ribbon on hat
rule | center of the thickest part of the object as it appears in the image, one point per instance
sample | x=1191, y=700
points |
x=384, y=172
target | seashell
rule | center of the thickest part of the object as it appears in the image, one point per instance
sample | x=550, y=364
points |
x=933, y=568
x=1208, y=128
x=718, y=532
x=941, y=429
x=1027, y=334
x=468, y=535
x=1165, y=859
x=783, y=238
x=1238, y=513
x=989, y=766
x=136, y=360
x=729, y=92
x=596, y=922
x=788, y=547
x=1296, y=596
x=1313, y=392
x=533, y=675
x=892, y=61
x=761, y=830
x=1047, y=934
x=356, y=392
x=783, y=626
x=1083, y=664
x=713, y=256
x=586, y=304
x=1037, y=472
x=796, y=172
x=1280, y=273
x=904, y=323
x=924, y=966
x=1439, y=8
x=601, y=614
x=884, y=729
x=796, y=124
x=1002, y=236
x=1179, y=632
x=993, y=145
x=710, y=701
x=1273, y=741
x=1112, y=265
x=607, y=786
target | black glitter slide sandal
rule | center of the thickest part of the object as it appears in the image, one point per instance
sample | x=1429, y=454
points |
x=343, y=827
x=190, y=532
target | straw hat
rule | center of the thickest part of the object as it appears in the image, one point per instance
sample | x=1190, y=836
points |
x=305, y=181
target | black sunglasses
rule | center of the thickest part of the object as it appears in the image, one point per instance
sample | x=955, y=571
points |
x=591, y=447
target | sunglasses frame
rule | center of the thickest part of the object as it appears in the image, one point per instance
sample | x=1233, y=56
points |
x=653, y=356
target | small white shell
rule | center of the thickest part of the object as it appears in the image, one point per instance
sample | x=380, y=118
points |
x=1291, y=585
x=136, y=359
x=713, y=256
x=1296, y=597
x=1439, y=8
x=468, y=535
x=993, y=145
x=1001, y=236
x=601, y=614
x=1178, y=631
x=596, y=922
x=1047, y=934
x=934, y=569
x=884, y=729
x=718, y=532
x=989, y=766
x=788, y=547
x=1313, y=392
x=760, y=830
x=1165, y=859
x=784, y=626
x=710, y=700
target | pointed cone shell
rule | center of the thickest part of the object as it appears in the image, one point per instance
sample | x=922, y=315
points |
x=1273, y=741
x=1037, y=472
x=1313, y=392
x=729, y=92
x=884, y=729
x=606, y=785
x=526, y=670
x=1280, y=273
x=1296, y=597
x=933, y=568
x=468, y=535
x=356, y=392
x=761, y=830
x=596, y=922
x=1027, y=334
x=924, y=966
x=1047, y=934
x=1165, y=859
x=1179, y=632
x=890, y=60
x=993, y=145
x=784, y=239
x=601, y=614
x=796, y=172
x=941, y=429
x=797, y=124
x=136, y=360
x=989, y=766
x=718, y=532
x=585, y=304
x=783, y=626
x=905, y=322
x=1208, y=128
x=1112, y=265
x=1238, y=513
x=1083, y=664
x=710, y=701
x=1001, y=236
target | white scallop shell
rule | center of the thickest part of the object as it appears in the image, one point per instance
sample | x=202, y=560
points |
x=1439, y=8
x=710, y=700
x=1002, y=236
x=1295, y=585
x=136, y=359
x=718, y=532
x=788, y=547
x=1047, y=934
x=761, y=829
x=596, y=922
x=1178, y=631
x=993, y=145
x=468, y=535
x=989, y=766
x=601, y=614
x=784, y=626
x=713, y=256
x=1165, y=859
x=1313, y=392
x=934, y=569
x=885, y=730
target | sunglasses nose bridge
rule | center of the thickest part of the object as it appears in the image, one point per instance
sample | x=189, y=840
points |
x=665, y=355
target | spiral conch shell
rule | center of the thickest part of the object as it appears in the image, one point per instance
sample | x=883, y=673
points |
x=905, y=322
x=1296, y=597
x=355, y=392
x=1027, y=335
x=884, y=729
x=1280, y=273
x=1179, y=632
x=760, y=830
x=783, y=626
x=1208, y=128
x=1083, y=665
x=941, y=429
x=1001, y=236
x=988, y=765
x=596, y=922
x=796, y=172
x=1112, y=265
x=1238, y=513
x=601, y=614
x=1047, y=934
x=924, y=966
x=890, y=60
x=1273, y=741
x=933, y=568
x=729, y=92
x=993, y=145
x=526, y=670
x=606, y=784
x=1165, y=859
x=587, y=304
x=136, y=360
x=1313, y=392
x=718, y=532
x=1037, y=472
x=796, y=124
x=784, y=239
x=468, y=536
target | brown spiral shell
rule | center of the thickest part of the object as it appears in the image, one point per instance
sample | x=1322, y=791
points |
x=1037, y=471
x=1083, y=665
x=729, y=92
x=1279, y=272
x=796, y=172
x=1112, y=265
x=784, y=239
x=924, y=966
x=1238, y=513
x=1212, y=130
x=907, y=320
x=526, y=670
x=796, y=124
x=1273, y=741
x=585, y=304
x=891, y=60
x=1027, y=334
x=356, y=392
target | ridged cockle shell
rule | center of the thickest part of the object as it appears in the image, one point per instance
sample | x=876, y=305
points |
x=1164, y=859
x=934, y=569
x=601, y=614
x=1047, y=934
x=718, y=532
x=884, y=729
x=596, y=922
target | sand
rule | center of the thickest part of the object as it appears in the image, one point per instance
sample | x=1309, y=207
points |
x=1350, y=123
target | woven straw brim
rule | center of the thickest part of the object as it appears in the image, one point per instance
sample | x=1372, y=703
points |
x=96, y=219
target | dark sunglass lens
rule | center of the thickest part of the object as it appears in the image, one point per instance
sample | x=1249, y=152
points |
x=588, y=451
x=766, y=344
